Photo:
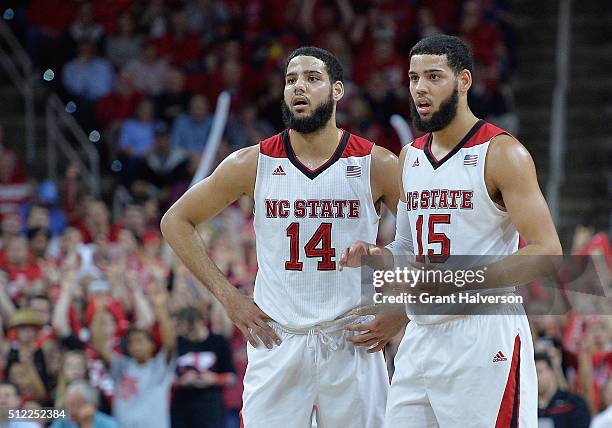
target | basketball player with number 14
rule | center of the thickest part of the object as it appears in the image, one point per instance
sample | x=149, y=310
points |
x=316, y=189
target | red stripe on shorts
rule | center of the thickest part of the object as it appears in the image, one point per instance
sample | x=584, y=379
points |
x=508, y=415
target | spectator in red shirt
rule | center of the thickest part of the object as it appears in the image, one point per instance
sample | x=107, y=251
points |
x=484, y=37
x=106, y=12
x=96, y=222
x=14, y=188
x=595, y=360
x=48, y=20
x=21, y=267
x=119, y=104
x=181, y=46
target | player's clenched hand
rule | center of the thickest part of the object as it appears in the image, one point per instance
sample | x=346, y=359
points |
x=351, y=257
x=251, y=321
x=375, y=334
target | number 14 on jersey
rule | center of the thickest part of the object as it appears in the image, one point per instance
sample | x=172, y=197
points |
x=318, y=246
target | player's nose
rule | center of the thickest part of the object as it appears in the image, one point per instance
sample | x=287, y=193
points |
x=300, y=85
x=420, y=87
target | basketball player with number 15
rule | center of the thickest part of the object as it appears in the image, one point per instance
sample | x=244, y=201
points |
x=468, y=189
x=316, y=188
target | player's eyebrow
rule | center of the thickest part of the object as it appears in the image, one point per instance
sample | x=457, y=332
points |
x=429, y=70
x=293, y=73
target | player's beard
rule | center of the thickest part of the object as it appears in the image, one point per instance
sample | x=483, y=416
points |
x=439, y=119
x=311, y=123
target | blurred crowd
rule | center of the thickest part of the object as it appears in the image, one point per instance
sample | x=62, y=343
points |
x=97, y=317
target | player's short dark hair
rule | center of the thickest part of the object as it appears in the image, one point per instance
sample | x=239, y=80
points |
x=458, y=53
x=543, y=356
x=333, y=66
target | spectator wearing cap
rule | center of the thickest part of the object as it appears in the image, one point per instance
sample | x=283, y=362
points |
x=557, y=408
x=26, y=364
x=82, y=402
x=10, y=399
x=204, y=367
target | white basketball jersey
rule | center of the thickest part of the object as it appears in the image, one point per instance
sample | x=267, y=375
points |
x=449, y=207
x=304, y=219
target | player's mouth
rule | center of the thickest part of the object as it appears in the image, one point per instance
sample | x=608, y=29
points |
x=423, y=107
x=299, y=104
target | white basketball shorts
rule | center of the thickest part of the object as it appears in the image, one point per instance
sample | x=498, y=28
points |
x=476, y=371
x=318, y=369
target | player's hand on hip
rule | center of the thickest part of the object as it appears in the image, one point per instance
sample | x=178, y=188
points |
x=374, y=335
x=252, y=321
x=351, y=256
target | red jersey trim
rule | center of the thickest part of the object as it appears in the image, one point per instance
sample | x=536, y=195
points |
x=357, y=147
x=313, y=173
x=419, y=143
x=508, y=414
x=484, y=134
x=273, y=147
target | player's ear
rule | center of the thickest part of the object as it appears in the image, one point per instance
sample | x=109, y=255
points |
x=338, y=91
x=464, y=81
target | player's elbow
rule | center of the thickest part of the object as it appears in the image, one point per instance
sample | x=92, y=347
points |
x=165, y=225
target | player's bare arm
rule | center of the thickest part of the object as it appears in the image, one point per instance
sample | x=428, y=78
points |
x=511, y=180
x=233, y=178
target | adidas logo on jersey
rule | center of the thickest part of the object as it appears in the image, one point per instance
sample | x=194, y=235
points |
x=499, y=357
x=279, y=171
x=416, y=163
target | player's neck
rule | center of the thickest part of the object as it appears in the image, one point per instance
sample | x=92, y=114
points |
x=449, y=137
x=320, y=144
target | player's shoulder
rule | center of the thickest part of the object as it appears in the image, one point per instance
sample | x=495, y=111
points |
x=244, y=157
x=504, y=148
x=274, y=146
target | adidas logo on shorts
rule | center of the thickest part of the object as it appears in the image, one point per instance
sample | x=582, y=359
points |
x=279, y=171
x=499, y=357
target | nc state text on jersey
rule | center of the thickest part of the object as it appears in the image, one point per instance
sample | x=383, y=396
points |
x=440, y=199
x=313, y=208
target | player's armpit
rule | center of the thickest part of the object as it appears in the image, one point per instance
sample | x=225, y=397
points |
x=385, y=170
x=511, y=170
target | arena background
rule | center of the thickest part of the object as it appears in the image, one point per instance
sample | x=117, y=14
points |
x=106, y=115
